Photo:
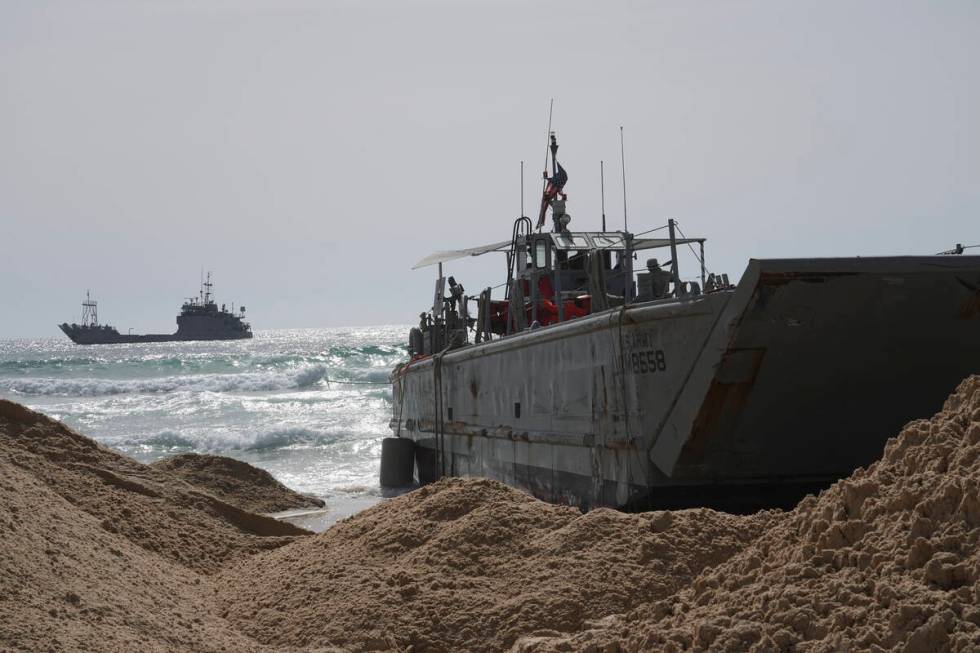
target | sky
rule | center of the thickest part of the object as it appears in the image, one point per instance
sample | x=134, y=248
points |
x=309, y=153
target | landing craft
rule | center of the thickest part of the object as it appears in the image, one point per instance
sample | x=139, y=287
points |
x=199, y=319
x=593, y=383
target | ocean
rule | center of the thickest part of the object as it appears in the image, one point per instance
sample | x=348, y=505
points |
x=309, y=405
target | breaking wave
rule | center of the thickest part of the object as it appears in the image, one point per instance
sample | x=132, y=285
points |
x=304, y=378
x=200, y=361
x=170, y=441
x=290, y=437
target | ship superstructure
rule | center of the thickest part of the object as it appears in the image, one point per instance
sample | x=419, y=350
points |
x=597, y=381
x=199, y=319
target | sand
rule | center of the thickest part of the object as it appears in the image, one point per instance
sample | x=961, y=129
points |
x=102, y=553
x=151, y=508
x=68, y=584
x=236, y=482
x=884, y=560
x=470, y=565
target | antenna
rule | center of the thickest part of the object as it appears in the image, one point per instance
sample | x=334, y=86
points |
x=207, y=288
x=602, y=193
x=522, y=188
x=622, y=158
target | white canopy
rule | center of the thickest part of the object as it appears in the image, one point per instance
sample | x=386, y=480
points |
x=654, y=243
x=453, y=254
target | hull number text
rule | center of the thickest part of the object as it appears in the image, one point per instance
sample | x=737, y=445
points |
x=647, y=361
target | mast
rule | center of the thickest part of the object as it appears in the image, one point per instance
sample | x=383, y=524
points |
x=554, y=154
x=90, y=311
x=674, y=269
x=548, y=139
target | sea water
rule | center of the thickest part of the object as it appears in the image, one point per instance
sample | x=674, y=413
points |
x=309, y=405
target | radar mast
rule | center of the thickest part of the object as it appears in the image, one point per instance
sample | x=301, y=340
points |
x=90, y=311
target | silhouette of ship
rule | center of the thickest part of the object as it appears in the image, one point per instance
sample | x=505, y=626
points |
x=199, y=319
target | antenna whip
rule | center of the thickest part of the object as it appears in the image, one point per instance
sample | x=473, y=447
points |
x=602, y=193
x=622, y=158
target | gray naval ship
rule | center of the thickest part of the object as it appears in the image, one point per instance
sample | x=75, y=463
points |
x=199, y=319
x=593, y=383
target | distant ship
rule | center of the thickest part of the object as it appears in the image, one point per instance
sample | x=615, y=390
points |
x=199, y=319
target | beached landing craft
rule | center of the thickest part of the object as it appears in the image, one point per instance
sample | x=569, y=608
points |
x=592, y=383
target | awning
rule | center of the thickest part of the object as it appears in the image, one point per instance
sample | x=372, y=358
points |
x=453, y=254
x=654, y=243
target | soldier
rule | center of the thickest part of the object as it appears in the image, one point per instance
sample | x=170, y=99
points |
x=659, y=278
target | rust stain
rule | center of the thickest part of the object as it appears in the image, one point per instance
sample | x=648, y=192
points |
x=782, y=278
x=971, y=307
x=724, y=402
x=620, y=444
x=605, y=394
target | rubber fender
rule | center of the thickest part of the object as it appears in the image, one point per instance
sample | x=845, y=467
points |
x=397, y=462
x=427, y=461
x=416, y=342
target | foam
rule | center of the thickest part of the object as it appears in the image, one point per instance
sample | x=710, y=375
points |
x=306, y=377
x=214, y=441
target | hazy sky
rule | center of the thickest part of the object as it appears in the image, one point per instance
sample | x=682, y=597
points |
x=311, y=152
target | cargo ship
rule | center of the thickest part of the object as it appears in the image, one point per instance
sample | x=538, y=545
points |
x=199, y=319
x=592, y=383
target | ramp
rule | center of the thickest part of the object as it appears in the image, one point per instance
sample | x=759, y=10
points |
x=816, y=362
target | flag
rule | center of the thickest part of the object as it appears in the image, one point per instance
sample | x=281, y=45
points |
x=555, y=185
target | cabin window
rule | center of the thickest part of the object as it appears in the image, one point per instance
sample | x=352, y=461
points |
x=607, y=242
x=540, y=254
x=567, y=240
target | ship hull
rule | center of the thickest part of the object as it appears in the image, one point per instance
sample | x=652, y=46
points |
x=737, y=399
x=81, y=335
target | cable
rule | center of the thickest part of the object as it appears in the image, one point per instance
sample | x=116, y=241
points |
x=689, y=245
x=650, y=231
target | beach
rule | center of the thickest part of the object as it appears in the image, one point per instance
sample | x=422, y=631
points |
x=102, y=552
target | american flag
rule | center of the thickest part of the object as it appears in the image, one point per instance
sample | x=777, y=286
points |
x=555, y=185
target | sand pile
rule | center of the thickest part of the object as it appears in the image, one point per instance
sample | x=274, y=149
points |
x=887, y=559
x=237, y=483
x=68, y=584
x=100, y=553
x=96, y=546
x=151, y=508
x=470, y=565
